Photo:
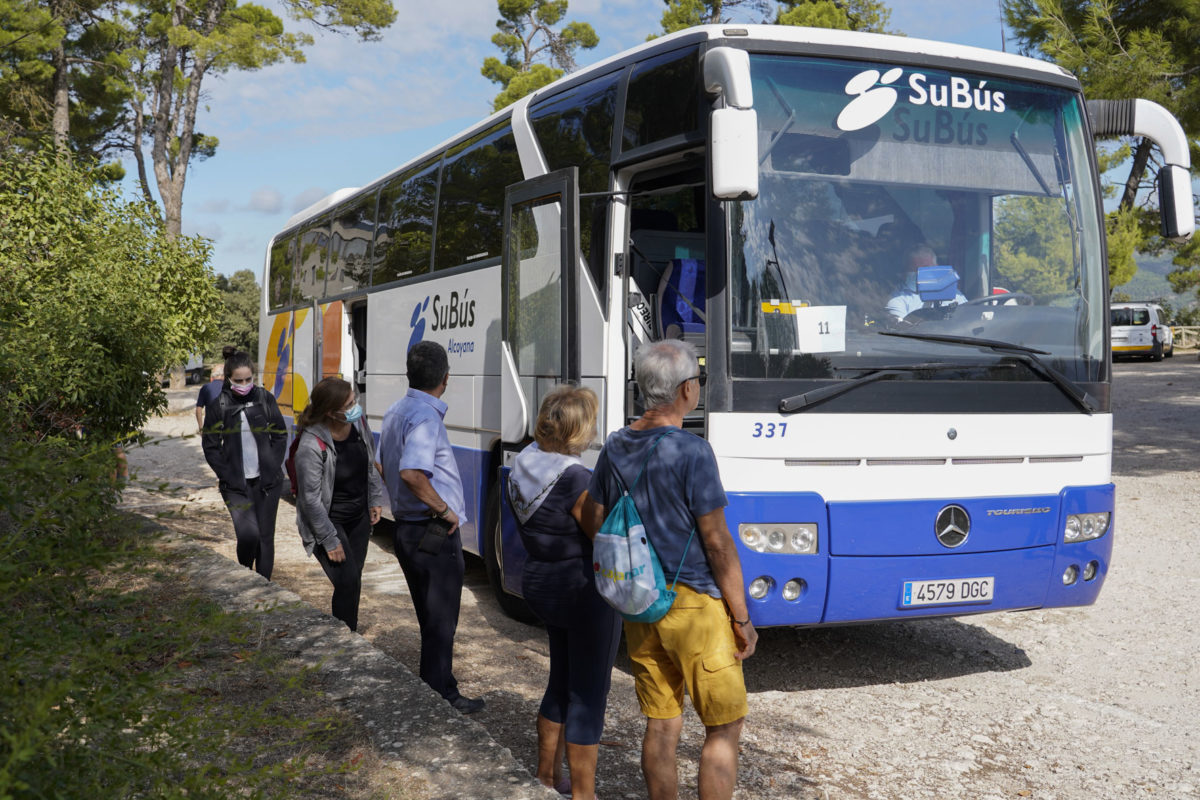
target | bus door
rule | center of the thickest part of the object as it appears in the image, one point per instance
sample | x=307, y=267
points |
x=539, y=299
x=355, y=365
x=665, y=283
x=539, y=335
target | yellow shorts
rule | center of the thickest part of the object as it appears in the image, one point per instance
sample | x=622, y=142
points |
x=691, y=648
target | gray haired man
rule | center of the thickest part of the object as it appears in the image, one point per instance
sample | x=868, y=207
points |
x=701, y=642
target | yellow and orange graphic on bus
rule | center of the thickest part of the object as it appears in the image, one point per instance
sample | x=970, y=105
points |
x=287, y=368
x=279, y=377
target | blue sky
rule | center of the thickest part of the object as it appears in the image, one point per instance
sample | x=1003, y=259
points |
x=291, y=134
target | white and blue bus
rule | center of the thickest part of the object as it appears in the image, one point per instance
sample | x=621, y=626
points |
x=761, y=192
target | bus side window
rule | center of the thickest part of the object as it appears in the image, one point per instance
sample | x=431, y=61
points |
x=575, y=128
x=404, y=235
x=312, y=264
x=471, y=198
x=279, y=282
x=663, y=99
x=350, y=243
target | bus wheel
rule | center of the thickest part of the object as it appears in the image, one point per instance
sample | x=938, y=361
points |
x=510, y=604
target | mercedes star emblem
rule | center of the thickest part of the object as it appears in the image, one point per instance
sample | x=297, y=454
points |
x=952, y=525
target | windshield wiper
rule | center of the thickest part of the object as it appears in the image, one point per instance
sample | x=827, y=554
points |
x=787, y=123
x=1024, y=154
x=1026, y=355
x=994, y=344
x=810, y=398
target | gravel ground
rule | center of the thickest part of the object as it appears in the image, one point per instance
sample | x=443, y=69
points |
x=1096, y=702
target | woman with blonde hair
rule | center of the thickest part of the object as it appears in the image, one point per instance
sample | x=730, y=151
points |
x=547, y=490
x=339, y=494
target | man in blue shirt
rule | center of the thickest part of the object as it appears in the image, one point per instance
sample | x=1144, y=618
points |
x=905, y=299
x=424, y=484
x=701, y=642
x=209, y=392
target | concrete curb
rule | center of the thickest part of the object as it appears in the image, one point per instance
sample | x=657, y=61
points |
x=414, y=729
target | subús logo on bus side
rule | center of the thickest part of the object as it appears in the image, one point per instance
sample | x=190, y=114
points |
x=448, y=314
x=874, y=96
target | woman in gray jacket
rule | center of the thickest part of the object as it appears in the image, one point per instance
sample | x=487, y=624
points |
x=339, y=494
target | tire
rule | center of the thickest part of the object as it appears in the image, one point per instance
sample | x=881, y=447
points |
x=513, y=606
x=1156, y=352
x=1171, y=351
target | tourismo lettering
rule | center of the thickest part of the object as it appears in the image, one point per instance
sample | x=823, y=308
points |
x=1008, y=512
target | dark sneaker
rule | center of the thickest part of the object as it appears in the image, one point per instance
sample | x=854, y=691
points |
x=466, y=705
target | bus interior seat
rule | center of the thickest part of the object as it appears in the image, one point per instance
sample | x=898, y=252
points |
x=681, y=297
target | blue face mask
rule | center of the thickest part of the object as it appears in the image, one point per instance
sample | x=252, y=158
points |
x=354, y=414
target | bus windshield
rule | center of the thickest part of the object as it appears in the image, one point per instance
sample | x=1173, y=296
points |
x=936, y=205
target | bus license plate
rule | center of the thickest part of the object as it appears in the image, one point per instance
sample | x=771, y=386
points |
x=948, y=592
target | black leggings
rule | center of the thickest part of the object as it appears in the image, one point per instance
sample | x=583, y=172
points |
x=253, y=513
x=584, y=633
x=346, y=576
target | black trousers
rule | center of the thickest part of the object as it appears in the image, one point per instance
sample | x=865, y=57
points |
x=346, y=576
x=435, y=581
x=253, y=513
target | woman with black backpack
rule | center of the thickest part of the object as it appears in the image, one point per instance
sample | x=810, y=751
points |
x=339, y=493
x=244, y=438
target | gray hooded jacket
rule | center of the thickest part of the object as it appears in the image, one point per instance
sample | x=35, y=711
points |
x=315, y=470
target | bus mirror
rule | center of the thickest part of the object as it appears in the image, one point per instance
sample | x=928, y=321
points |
x=734, y=153
x=733, y=148
x=1175, y=203
x=727, y=75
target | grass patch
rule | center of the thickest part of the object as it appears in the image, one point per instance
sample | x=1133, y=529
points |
x=121, y=680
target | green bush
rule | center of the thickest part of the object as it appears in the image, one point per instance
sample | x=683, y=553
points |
x=117, y=681
x=96, y=301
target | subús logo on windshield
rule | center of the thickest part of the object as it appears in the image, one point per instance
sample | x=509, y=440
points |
x=874, y=96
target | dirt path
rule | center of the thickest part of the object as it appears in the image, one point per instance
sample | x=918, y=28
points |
x=1097, y=702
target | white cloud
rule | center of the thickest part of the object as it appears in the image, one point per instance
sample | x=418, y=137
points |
x=265, y=200
x=307, y=198
x=424, y=71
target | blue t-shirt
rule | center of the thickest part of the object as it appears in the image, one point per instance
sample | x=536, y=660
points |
x=681, y=483
x=209, y=392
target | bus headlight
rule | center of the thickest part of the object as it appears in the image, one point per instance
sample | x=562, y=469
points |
x=1083, y=527
x=793, y=589
x=759, y=587
x=785, y=538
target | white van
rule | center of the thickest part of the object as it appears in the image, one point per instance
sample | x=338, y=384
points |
x=1141, y=329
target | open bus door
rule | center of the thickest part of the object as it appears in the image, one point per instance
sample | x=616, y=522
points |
x=539, y=334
